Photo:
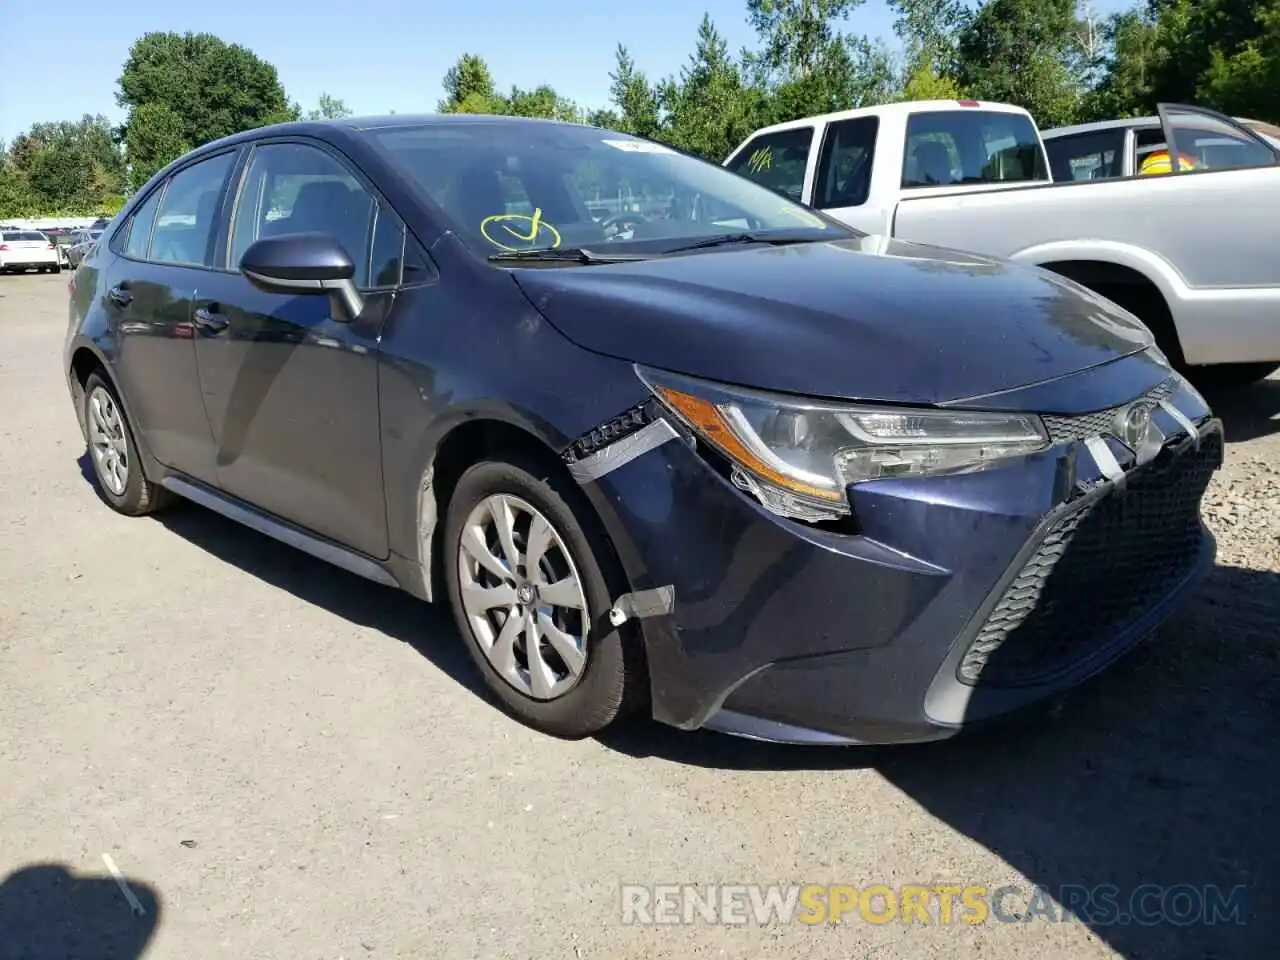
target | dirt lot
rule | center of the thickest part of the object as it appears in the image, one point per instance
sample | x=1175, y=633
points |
x=282, y=760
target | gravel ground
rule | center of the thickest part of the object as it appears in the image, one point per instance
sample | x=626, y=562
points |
x=282, y=760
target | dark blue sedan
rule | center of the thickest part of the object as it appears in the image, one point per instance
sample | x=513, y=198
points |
x=662, y=439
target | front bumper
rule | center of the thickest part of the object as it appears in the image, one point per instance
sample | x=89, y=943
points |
x=958, y=599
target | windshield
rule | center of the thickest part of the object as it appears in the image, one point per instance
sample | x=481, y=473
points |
x=514, y=186
x=971, y=146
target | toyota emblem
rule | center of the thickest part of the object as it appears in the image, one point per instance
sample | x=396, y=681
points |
x=1134, y=424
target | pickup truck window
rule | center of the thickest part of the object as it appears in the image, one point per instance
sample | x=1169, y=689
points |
x=971, y=146
x=844, y=167
x=1213, y=145
x=777, y=161
x=1087, y=156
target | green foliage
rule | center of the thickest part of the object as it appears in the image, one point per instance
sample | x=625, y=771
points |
x=195, y=88
x=329, y=108
x=154, y=136
x=68, y=164
x=183, y=90
x=1023, y=52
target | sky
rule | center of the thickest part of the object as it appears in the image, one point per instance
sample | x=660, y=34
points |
x=376, y=55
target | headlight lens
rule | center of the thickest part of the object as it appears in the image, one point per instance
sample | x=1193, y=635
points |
x=796, y=456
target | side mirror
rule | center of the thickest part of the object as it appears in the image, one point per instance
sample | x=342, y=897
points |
x=303, y=263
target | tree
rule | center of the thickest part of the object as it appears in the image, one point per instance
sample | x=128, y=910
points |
x=711, y=111
x=798, y=34
x=1130, y=58
x=154, y=136
x=1024, y=52
x=67, y=164
x=635, y=98
x=1247, y=82
x=212, y=88
x=468, y=87
x=329, y=108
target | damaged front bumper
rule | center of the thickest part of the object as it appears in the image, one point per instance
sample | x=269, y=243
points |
x=957, y=599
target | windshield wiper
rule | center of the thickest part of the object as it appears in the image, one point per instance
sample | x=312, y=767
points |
x=564, y=255
x=731, y=239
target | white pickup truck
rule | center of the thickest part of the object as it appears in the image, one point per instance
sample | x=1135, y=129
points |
x=1193, y=253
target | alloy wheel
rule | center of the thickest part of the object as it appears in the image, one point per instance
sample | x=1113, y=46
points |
x=523, y=597
x=107, y=441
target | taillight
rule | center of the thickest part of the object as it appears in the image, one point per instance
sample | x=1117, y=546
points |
x=49, y=246
x=969, y=103
x=4, y=246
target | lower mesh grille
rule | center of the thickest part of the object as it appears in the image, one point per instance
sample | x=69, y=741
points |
x=1096, y=572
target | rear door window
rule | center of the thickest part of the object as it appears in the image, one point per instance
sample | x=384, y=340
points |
x=140, y=223
x=777, y=161
x=187, y=221
x=969, y=146
x=1087, y=156
x=844, y=167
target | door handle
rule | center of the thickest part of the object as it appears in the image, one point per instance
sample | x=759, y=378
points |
x=120, y=295
x=211, y=320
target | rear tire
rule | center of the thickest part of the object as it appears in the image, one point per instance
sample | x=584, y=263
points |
x=114, y=454
x=569, y=553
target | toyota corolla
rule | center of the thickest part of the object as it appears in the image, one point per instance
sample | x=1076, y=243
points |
x=662, y=439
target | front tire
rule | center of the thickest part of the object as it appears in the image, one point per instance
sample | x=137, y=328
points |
x=528, y=572
x=114, y=454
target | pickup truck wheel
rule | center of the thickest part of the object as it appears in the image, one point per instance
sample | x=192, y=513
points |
x=1229, y=376
x=531, y=582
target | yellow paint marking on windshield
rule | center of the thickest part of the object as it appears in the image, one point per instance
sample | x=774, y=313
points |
x=804, y=216
x=520, y=228
x=762, y=159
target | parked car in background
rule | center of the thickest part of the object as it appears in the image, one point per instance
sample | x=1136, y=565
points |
x=1188, y=254
x=82, y=242
x=22, y=250
x=736, y=462
x=1138, y=146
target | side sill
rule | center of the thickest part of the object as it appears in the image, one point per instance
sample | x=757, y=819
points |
x=317, y=547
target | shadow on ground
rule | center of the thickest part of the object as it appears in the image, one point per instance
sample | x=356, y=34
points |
x=1248, y=412
x=48, y=912
x=1162, y=771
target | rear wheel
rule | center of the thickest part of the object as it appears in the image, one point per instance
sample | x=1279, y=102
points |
x=114, y=454
x=529, y=583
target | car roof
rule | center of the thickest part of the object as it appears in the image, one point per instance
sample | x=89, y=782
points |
x=1153, y=121
x=893, y=109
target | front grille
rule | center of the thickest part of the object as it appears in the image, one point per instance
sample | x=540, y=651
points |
x=1096, y=572
x=1069, y=429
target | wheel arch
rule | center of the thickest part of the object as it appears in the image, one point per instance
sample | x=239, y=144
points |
x=1134, y=289
x=86, y=358
x=462, y=444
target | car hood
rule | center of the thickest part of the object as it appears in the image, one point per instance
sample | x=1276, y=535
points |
x=866, y=318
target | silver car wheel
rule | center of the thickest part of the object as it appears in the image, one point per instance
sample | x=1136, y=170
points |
x=107, y=441
x=523, y=597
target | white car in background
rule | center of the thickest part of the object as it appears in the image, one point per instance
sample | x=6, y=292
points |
x=22, y=250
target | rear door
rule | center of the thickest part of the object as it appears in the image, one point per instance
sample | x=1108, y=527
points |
x=162, y=252
x=291, y=391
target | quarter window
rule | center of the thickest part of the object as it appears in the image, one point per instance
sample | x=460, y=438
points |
x=186, y=224
x=777, y=161
x=1087, y=156
x=297, y=188
x=140, y=224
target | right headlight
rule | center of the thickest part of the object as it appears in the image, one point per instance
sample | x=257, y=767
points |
x=797, y=456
